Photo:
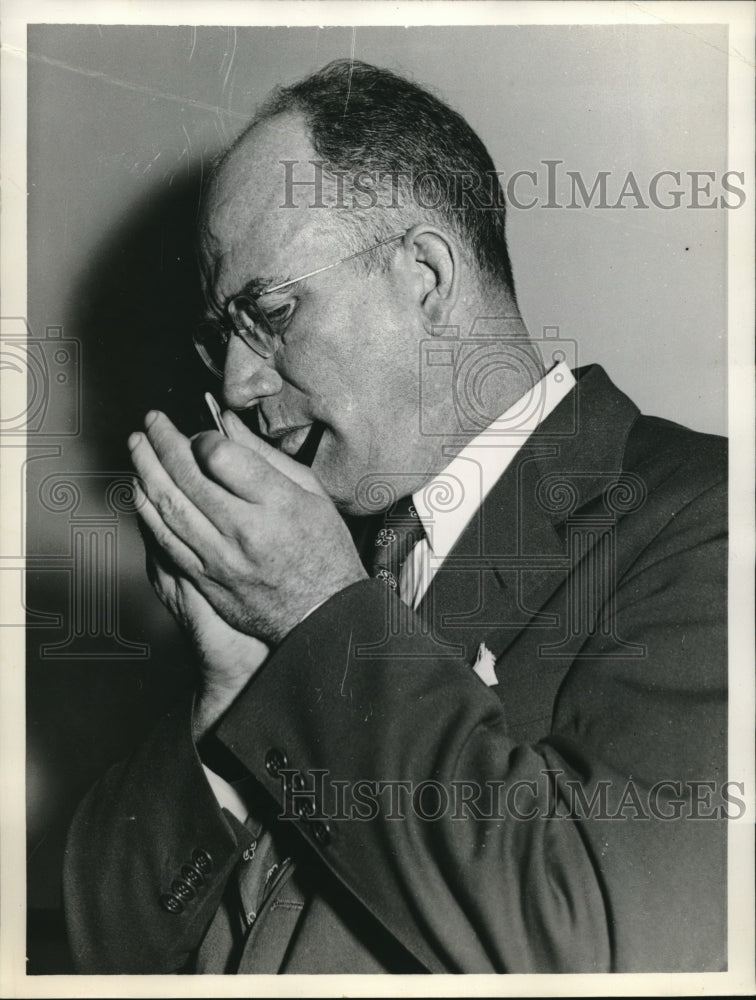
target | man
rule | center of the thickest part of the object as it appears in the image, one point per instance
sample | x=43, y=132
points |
x=505, y=753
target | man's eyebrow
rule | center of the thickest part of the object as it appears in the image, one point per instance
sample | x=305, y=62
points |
x=253, y=288
x=256, y=286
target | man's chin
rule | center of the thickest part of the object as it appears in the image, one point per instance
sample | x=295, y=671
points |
x=353, y=498
x=336, y=481
x=360, y=496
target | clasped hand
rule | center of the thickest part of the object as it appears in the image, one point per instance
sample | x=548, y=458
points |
x=246, y=526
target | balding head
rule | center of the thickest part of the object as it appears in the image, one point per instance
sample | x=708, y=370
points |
x=418, y=159
x=350, y=338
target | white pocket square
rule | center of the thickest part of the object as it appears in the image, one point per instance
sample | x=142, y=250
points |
x=484, y=665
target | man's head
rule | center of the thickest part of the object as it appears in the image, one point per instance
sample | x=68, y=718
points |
x=382, y=157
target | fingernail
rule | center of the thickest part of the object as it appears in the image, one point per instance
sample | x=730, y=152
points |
x=134, y=440
x=151, y=418
x=139, y=494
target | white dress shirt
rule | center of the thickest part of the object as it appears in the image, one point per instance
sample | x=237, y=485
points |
x=448, y=502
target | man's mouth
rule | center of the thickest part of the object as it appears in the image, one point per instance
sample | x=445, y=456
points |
x=289, y=439
x=300, y=443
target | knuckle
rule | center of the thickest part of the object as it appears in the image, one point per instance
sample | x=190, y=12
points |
x=168, y=506
x=217, y=454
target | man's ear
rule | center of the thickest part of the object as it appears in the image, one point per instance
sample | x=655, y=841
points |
x=435, y=258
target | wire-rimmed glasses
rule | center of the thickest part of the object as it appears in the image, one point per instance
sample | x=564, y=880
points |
x=246, y=319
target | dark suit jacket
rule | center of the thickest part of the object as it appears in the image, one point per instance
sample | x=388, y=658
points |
x=596, y=573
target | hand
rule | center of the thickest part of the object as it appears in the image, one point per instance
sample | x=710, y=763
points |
x=228, y=659
x=250, y=528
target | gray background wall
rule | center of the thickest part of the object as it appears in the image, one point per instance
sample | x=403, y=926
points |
x=122, y=121
x=119, y=114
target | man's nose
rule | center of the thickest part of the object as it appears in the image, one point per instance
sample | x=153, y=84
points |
x=247, y=377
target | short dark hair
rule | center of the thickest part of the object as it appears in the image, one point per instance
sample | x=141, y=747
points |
x=366, y=119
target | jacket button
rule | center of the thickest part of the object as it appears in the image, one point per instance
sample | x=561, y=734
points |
x=192, y=875
x=304, y=808
x=275, y=761
x=202, y=860
x=321, y=832
x=183, y=890
x=171, y=903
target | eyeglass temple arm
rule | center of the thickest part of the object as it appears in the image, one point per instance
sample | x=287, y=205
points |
x=327, y=267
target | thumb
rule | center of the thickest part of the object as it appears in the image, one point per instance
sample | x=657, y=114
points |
x=298, y=473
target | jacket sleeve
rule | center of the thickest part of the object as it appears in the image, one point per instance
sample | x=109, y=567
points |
x=149, y=827
x=599, y=848
x=604, y=852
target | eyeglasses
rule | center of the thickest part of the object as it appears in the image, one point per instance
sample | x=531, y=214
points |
x=261, y=331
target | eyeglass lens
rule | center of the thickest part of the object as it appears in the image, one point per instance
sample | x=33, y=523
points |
x=211, y=338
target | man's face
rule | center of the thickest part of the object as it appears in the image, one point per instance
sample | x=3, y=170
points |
x=349, y=352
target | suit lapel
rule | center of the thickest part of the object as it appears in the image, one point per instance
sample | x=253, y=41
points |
x=513, y=556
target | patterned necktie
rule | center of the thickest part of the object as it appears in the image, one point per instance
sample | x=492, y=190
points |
x=402, y=529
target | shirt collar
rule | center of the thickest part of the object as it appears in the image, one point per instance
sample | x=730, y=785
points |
x=447, y=503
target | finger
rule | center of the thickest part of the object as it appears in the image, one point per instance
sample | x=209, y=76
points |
x=160, y=569
x=151, y=548
x=161, y=542
x=165, y=582
x=299, y=473
x=178, y=510
x=174, y=452
x=166, y=579
x=245, y=473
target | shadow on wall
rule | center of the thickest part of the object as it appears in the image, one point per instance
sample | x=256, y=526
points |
x=136, y=306
x=133, y=311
